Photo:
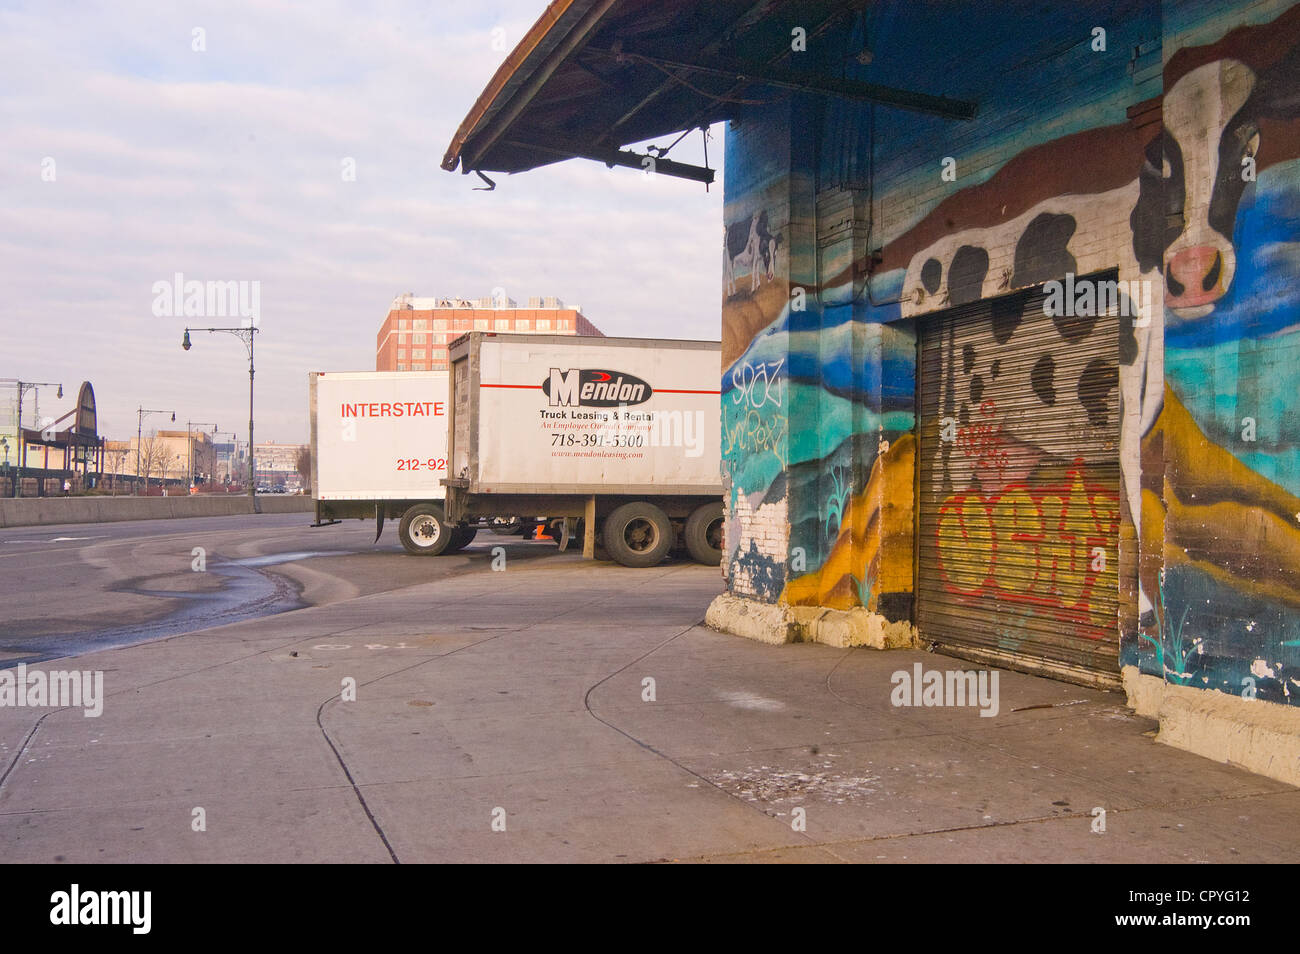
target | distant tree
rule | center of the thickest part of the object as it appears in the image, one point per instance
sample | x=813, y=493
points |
x=169, y=462
x=115, y=458
x=153, y=452
x=304, y=467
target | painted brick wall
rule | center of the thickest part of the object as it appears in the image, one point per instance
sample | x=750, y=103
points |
x=1064, y=170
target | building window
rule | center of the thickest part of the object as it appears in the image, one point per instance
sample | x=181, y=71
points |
x=401, y=367
x=421, y=324
x=419, y=339
x=521, y=324
x=440, y=324
x=417, y=354
x=480, y=324
x=404, y=324
x=401, y=354
x=563, y=324
x=543, y=324
x=503, y=324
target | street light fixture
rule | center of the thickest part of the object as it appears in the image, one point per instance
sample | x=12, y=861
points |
x=141, y=414
x=246, y=335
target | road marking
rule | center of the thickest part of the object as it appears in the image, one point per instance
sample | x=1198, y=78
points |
x=53, y=540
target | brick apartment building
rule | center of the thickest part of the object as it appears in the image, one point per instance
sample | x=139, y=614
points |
x=414, y=335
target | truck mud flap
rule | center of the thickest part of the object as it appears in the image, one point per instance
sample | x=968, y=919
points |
x=379, y=520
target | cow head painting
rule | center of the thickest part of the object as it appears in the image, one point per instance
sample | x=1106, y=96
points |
x=1194, y=173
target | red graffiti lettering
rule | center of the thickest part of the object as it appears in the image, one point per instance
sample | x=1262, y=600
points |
x=1047, y=546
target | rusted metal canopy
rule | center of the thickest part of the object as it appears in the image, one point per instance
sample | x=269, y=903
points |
x=592, y=76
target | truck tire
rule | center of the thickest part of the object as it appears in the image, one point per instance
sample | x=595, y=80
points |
x=423, y=530
x=506, y=526
x=461, y=537
x=703, y=534
x=638, y=534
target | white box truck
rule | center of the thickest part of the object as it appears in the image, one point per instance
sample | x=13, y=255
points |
x=620, y=434
x=379, y=449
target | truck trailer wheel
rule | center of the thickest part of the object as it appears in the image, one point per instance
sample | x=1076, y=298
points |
x=638, y=534
x=507, y=526
x=703, y=533
x=461, y=537
x=423, y=531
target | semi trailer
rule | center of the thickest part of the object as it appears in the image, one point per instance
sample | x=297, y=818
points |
x=617, y=437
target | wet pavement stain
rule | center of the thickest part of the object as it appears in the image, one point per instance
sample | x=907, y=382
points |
x=245, y=593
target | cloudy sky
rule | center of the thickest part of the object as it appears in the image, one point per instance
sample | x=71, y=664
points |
x=127, y=156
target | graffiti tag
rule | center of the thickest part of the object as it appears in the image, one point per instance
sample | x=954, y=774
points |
x=1031, y=545
x=754, y=385
x=751, y=434
x=984, y=443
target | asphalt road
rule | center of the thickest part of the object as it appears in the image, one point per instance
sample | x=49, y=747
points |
x=82, y=587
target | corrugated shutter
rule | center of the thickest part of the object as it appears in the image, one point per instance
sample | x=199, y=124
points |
x=1019, y=496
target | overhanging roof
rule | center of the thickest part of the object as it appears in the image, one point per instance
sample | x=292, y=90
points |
x=592, y=76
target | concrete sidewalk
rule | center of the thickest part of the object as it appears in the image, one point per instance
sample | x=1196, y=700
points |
x=521, y=695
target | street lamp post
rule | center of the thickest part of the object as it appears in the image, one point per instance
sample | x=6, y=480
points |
x=23, y=387
x=141, y=414
x=246, y=335
x=189, y=443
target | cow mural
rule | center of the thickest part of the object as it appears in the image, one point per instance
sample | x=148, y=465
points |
x=1195, y=204
x=749, y=247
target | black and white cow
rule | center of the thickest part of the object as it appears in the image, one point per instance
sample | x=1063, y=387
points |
x=1180, y=213
x=749, y=246
x=1196, y=171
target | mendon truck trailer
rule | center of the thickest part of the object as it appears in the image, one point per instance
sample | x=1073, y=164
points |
x=620, y=436
x=379, y=449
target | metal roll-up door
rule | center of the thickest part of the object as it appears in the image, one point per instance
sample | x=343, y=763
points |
x=1019, y=496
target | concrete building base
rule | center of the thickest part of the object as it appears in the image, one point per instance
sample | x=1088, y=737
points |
x=765, y=622
x=1260, y=737
x=781, y=623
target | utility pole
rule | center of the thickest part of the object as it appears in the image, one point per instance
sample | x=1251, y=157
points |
x=246, y=335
